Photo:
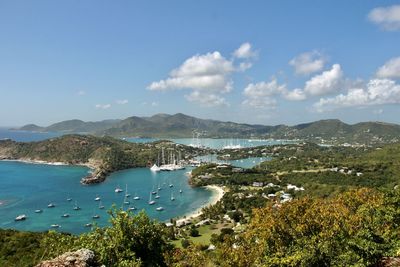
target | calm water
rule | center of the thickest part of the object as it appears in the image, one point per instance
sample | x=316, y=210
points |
x=26, y=187
x=216, y=143
x=242, y=163
x=23, y=136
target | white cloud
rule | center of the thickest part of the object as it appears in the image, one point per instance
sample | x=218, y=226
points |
x=209, y=72
x=261, y=95
x=391, y=69
x=154, y=104
x=378, y=111
x=245, y=51
x=329, y=81
x=122, y=102
x=243, y=66
x=295, y=95
x=81, y=93
x=388, y=18
x=103, y=106
x=206, y=99
x=307, y=63
x=208, y=76
x=376, y=92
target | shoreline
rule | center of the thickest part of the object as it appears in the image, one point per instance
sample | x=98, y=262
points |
x=218, y=193
x=51, y=163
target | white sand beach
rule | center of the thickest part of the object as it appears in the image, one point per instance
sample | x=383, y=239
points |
x=218, y=193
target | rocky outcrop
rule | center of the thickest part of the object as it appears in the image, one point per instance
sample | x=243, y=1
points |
x=96, y=177
x=80, y=258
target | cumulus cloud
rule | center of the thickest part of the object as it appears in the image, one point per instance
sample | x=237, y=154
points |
x=207, y=100
x=295, y=95
x=207, y=76
x=261, y=95
x=391, y=69
x=201, y=72
x=307, y=63
x=245, y=51
x=103, y=106
x=243, y=66
x=122, y=102
x=388, y=18
x=327, y=82
x=376, y=92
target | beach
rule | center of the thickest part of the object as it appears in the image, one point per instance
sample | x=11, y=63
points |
x=218, y=193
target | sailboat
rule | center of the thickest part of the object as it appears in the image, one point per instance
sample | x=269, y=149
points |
x=172, y=196
x=157, y=196
x=180, y=191
x=69, y=198
x=65, y=215
x=76, y=207
x=88, y=225
x=38, y=211
x=55, y=226
x=118, y=189
x=21, y=217
x=160, y=209
x=151, y=202
x=136, y=197
x=97, y=198
x=126, y=191
x=131, y=208
x=51, y=205
x=155, y=167
x=95, y=216
x=101, y=206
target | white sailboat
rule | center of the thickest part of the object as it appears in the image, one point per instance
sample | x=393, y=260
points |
x=160, y=209
x=151, y=202
x=136, y=197
x=97, y=198
x=118, y=190
x=126, y=191
x=76, y=207
x=101, y=206
x=172, y=196
x=21, y=217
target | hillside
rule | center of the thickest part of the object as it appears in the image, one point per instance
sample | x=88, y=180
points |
x=103, y=154
x=181, y=125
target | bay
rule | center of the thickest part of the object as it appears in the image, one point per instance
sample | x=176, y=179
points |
x=27, y=187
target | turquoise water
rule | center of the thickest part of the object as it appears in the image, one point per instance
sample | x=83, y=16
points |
x=215, y=143
x=27, y=187
x=242, y=163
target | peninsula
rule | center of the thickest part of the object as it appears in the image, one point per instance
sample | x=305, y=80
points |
x=103, y=155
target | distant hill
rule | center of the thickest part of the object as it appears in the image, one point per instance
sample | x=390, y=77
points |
x=181, y=125
x=31, y=128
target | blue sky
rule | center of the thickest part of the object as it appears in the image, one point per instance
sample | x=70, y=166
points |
x=267, y=62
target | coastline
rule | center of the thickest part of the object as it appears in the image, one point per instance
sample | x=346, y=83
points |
x=52, y=163
x=218, y=193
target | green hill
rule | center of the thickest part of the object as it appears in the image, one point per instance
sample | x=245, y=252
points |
x=181, y=125
x=103, y=154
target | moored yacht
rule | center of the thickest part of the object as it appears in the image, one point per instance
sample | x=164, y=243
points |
x=21, y=217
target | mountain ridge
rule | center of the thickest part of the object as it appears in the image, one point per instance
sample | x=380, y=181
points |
x=180, y=125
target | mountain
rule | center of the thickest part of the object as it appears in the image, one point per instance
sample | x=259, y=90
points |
x=180, y=125
x=31, y=128
x=72, y=126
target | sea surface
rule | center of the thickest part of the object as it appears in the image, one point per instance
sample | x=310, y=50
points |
x=25, y=136
x=216, y=143
x=26, y=187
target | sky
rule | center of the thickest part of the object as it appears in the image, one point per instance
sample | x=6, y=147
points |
x=264, y=62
